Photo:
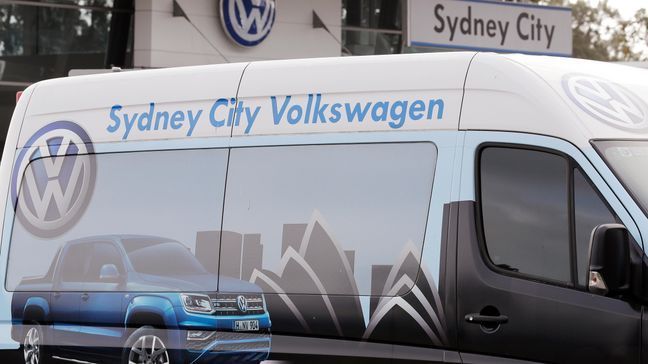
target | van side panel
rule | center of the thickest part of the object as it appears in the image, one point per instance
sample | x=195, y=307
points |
x=180, y=103
x=6, y=164
x=354, y=94
x=325, y=270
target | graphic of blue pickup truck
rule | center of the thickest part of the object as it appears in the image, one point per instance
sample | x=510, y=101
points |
x=141, y=299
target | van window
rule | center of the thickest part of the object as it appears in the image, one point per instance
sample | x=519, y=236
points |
x=148, y=200
x=327, y=219
x=75, y=263
x=590, y=212
x=103, y=254
x=525, y=210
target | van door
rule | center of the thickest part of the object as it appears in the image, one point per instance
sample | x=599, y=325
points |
x=523, y=253
x=101, y=310
x=344, y=241
x=69, y=283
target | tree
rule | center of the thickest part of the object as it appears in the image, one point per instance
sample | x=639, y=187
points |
x=599, y=32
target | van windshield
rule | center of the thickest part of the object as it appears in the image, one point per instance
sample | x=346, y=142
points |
x=628, y=159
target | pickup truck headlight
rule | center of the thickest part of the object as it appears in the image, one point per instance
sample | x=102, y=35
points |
x=197, y=303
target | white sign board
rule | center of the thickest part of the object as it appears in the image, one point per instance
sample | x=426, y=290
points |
x=489, y=26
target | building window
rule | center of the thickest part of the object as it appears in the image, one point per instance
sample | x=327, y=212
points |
x=371, y=27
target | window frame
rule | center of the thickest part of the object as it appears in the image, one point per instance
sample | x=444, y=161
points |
x=572, y=166
x=353, y=142
x=58, y=273
x=119, y=265
x=596, y=144
x=11, y=215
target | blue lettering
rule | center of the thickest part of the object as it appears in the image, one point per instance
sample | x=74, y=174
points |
x=230, y=114
x=308, y=108
x=335, y=113
x=251, y=117
x=161, y=115
x=148, y=116
x=416, y=110
x=176, y=119
x=295, y=114
x=357, y=110
x=212, y=113
x=435, y=103
x=383, y=108
x=113, y=110
x=278, y=114
x=193, y=120
x=399, y=115
x=238, y=113
x=318, y=113
x=129, y=125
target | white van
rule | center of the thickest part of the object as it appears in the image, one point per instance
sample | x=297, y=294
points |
x=455, y=207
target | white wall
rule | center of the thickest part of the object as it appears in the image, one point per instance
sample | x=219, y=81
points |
x=162, y=40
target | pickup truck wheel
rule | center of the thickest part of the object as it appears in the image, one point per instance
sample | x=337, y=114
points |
x=145, y=346
x=34, y=352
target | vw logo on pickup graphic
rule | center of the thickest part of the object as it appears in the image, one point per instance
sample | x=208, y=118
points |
x=53, y=178
x=241, y=301
x=607, y=101
x=247, y=22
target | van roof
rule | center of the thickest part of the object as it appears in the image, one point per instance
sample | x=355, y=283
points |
x=574, y=99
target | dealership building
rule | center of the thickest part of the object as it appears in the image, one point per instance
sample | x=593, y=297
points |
x=49, y=38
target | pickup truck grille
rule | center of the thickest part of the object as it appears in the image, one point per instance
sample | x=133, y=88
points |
x=227, y=341
x=227, y=304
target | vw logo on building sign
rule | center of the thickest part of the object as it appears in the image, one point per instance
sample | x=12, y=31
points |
x=53, y=178
x=607, y=101
x=241, y=301
x=247, y=22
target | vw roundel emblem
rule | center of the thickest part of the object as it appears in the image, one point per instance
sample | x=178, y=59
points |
x=53, y=178
x=247, y=22
x=607, y=101
x=241, y=301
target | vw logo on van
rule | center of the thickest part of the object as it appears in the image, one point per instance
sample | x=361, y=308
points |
x=53, y=178
x=247, y=22
x=241, y=301
x=607, y=101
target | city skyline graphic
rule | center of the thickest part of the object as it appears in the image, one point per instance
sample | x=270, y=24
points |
x=314, y=289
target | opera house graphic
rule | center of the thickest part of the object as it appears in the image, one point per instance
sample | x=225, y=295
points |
x=404, y=305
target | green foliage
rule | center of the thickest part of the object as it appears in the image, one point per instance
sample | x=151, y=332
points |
x=600, y=33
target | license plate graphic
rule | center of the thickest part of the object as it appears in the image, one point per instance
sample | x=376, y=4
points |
x=246, y=325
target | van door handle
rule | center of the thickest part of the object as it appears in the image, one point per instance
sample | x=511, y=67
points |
x=85, y=296
x=476, y=318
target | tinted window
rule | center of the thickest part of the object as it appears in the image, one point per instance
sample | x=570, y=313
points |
x=103, y=254
x=178, y=260
x=525, y=210
x=328, y=219
x=76, y=260
x=150, y=197
x=590, y=211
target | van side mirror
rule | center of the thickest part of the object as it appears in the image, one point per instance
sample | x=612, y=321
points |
x=609, y=264
x=109, y=273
